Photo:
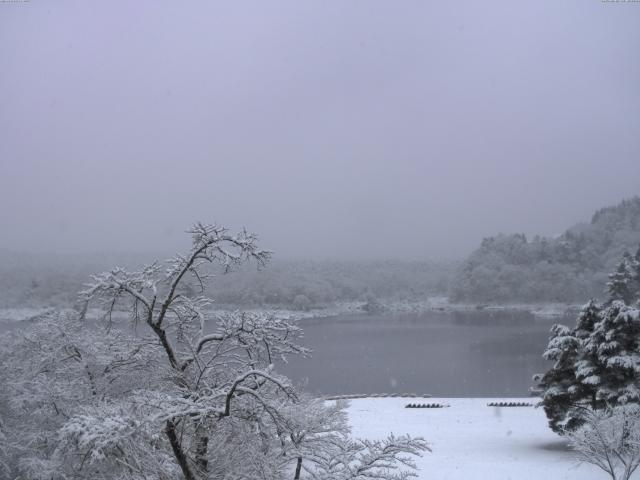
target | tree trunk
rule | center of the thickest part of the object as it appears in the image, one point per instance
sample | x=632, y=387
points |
x=298, y=469
x=181, y=457
x=202, y=444
x=162, y=336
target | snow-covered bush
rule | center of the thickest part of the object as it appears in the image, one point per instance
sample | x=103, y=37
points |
x=610, y=439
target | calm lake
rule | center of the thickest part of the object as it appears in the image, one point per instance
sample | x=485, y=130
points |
x=460, y=354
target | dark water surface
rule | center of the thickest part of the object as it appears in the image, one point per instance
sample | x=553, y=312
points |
x=461, y=354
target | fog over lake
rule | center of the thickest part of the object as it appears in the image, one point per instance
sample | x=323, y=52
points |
x=429, y=198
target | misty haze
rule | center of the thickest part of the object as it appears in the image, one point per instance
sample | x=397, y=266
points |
x=319, y=240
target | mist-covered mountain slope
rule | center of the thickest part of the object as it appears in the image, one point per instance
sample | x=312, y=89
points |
x=571, y=267
x=36, y=280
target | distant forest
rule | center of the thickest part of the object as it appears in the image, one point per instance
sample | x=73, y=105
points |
x=504, y=269
x=44, y=281
x=571, y=267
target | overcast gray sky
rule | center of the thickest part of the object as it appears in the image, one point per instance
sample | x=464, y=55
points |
x=350, y=129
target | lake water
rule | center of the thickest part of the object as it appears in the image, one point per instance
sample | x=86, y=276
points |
x=461, y=354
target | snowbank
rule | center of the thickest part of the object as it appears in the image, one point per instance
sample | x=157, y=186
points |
x=472, y=441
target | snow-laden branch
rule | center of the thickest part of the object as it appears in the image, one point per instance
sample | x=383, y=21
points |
x=187, y=395
x=367, y=459
x=118, y=281
x=610, y=440
x=284, y=387
x=211, y=243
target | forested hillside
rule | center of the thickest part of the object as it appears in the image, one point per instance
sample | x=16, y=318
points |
x=46, y=281
x=505, y=268
x=571, y=267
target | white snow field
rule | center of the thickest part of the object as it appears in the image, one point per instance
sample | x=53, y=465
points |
x=471, y=441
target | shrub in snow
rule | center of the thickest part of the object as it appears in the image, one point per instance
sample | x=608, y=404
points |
x=610, y=439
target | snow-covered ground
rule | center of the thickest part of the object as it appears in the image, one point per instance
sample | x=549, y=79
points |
x=471, y=441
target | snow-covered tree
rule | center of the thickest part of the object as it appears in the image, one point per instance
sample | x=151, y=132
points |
x=371, y=459
x=224, y=376
x=610, y=440
x=597, y=363
x=52, y=369
x=635, y=271
x=614, y=345
x=313, y=427
x=559, y=383
x=622, y=283
x=568, y=385
x=319, y=439
x=183, y=394
x=588, y=369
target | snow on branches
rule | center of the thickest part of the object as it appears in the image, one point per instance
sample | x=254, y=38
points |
x=366, y=459
x=610, y=440
x=185, y=394
x=596, y=363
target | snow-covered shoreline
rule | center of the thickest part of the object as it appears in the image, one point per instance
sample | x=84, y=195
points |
x=432, y=304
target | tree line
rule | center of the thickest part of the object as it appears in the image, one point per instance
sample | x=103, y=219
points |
x=571, y=267
x=41, y=281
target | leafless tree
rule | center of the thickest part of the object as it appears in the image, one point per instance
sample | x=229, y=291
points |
x=610, y=439
x=222, y=408
x=227, y=372
x=185, y=394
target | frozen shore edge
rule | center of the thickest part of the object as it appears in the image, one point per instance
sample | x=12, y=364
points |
x=433, y=304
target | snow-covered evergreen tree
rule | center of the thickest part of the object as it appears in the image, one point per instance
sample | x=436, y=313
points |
x=597, y=363
x=615, y=343
x=588, y=369
x=635, y=271
x=563, y=391
x=622, y=283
